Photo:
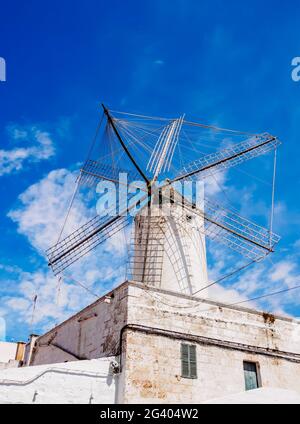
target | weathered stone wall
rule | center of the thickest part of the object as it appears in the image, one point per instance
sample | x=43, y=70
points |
x=185, y=314
x=153, y=371
x=225, y=337
x=154, y=322
x=92, y=333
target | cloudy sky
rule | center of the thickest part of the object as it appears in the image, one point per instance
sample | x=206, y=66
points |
x=230, y=66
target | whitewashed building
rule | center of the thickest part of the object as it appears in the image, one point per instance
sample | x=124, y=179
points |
x=156, y=341
x=170, y=348
x=11, y=354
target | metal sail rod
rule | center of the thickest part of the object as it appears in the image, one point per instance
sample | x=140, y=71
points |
x=190, y=208
x=213, y=127
x=99, y=176
x=236, y=233
x=270, y=250
x=221, y=161
x=51, y=262
x=111, y=121
x=103, y=177
x=95, y=232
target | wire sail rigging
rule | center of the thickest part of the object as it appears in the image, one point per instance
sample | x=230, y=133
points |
x=163, y=152
x=150, y=149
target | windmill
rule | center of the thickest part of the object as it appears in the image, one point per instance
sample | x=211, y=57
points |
x=163, y=153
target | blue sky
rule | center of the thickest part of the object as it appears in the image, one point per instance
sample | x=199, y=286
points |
x=221, y=62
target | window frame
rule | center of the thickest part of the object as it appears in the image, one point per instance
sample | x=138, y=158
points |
x=257, y=371
x=191, y=359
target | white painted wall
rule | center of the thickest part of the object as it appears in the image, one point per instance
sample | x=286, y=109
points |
x=7, y=351
x=260, y=396
x=69, y=382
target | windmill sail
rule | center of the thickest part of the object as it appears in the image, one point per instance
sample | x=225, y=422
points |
x=83, y=240
x=228, y=158
x=87, y=237
x=235, y=231
x=222, y=225
x=94, y=171
x=148, y=148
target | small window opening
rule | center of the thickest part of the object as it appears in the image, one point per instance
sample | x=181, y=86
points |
x=251, y=375
x=188, y=361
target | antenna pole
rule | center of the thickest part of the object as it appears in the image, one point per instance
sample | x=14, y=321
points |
x=33, y=311
x=273, y=194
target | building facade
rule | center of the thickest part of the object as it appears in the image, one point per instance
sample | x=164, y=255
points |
x=175, y=348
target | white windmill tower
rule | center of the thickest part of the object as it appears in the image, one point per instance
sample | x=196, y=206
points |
x=169, y=247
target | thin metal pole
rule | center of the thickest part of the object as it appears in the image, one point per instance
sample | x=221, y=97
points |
x=273, y=196
x=33, y=311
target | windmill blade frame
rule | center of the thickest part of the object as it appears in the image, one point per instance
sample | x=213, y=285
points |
x=221, y=224
x=87, y=237
x=235, y=231
x=70, y=250
x=228, y=158
x=94, y=171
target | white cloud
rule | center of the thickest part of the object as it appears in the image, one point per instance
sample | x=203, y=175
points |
x=229, y=296
x=43, y=206
x=39, y=217
x=283, y=271
x=220, y=261
x=9, y=268
x=47, y=311
x=37, y=145
x=216, y=184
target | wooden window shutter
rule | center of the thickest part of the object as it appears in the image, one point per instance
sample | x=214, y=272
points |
x=188, y=361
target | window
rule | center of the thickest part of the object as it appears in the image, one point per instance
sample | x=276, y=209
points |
x=188, y=361
x=251, y=375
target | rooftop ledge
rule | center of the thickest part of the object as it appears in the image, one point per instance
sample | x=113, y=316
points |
x=174, y=294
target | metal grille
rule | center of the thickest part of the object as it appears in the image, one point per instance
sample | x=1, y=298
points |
x=238, y=233
x=93, y=171
x=83, y=240
x=228, y=158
